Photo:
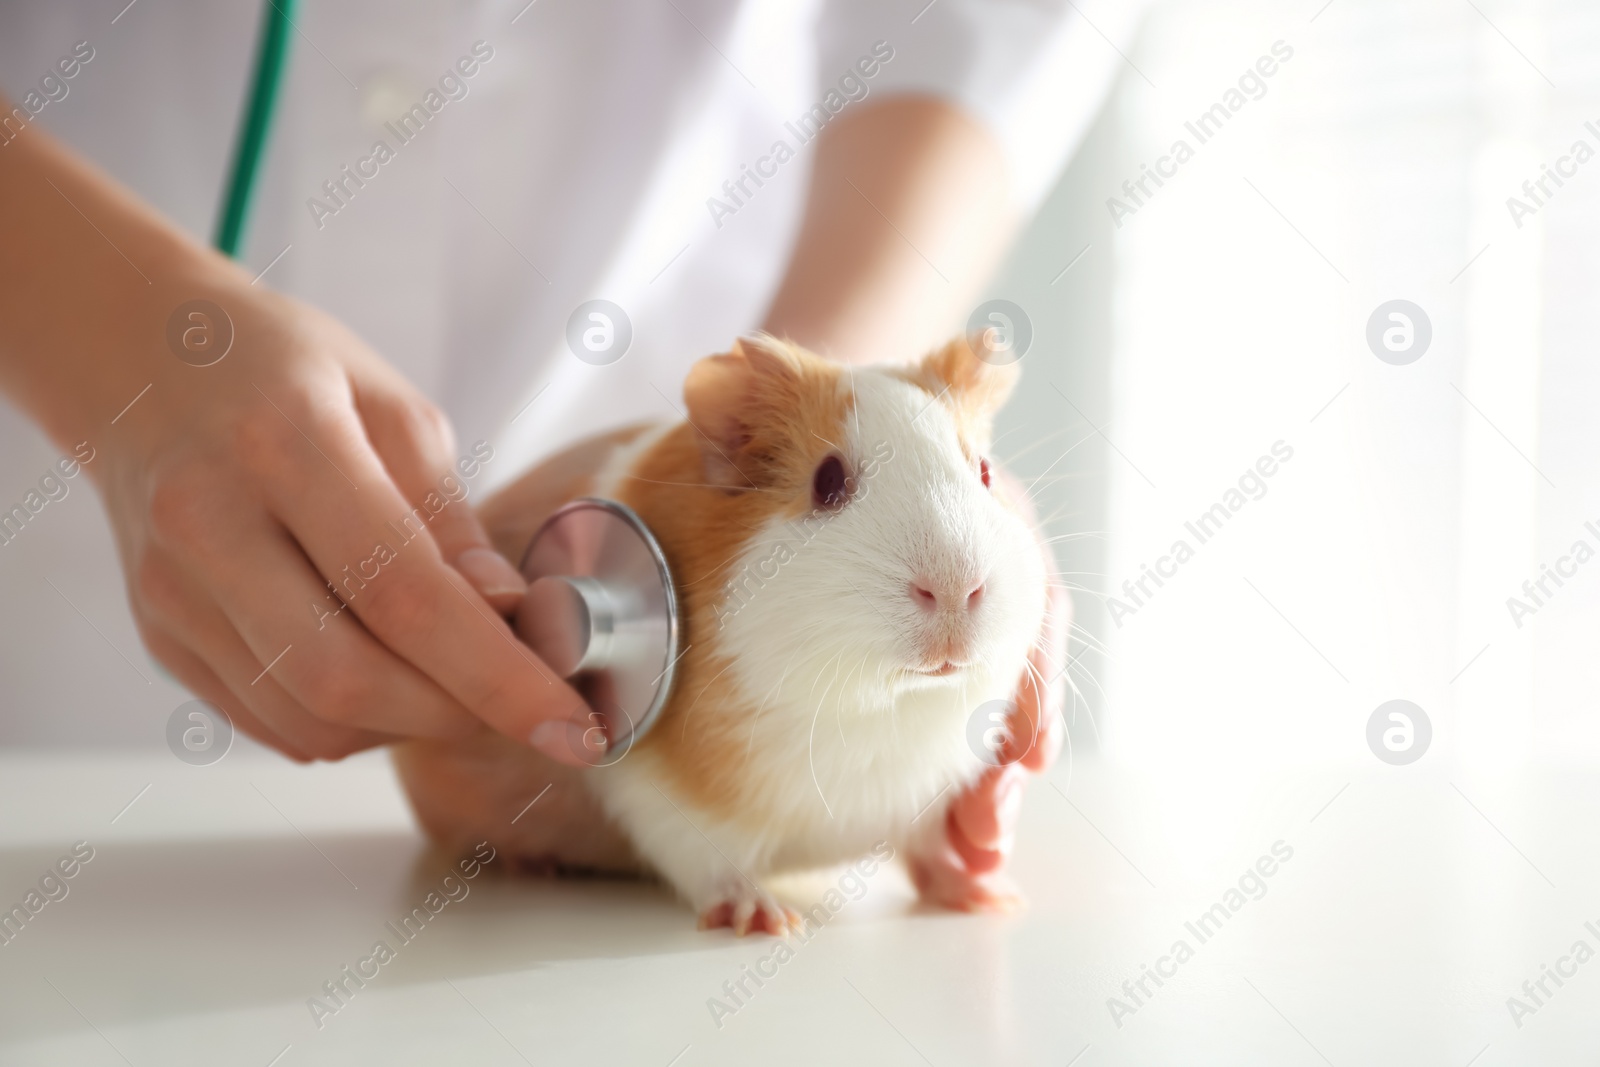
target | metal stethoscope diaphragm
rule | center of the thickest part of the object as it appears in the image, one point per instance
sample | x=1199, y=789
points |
x=602, y=611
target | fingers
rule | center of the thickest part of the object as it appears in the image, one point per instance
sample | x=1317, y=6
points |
x=1047, y=746
x=417, y=448
x=982, y=821
x=199, y=631
x=355, y=525
x=289, y=624
x=1029, y=727
x=203, y=683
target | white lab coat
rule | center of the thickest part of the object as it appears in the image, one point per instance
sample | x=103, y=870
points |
x=582, y=159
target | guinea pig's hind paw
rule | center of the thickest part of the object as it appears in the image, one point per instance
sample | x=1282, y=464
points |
x=746, y=910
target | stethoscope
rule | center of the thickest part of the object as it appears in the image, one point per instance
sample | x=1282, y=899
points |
x=272, y=52
x=601, y=609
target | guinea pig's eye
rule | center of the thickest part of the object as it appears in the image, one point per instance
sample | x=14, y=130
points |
x=983, y=472
x=828, y=487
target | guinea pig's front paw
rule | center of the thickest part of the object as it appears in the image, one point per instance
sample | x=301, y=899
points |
x=944, y=881
x=745, y=908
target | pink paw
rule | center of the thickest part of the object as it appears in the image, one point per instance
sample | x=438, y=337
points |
x=745, y=910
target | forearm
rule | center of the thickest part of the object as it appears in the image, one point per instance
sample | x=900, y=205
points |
x=91, y=275
x=907, y=214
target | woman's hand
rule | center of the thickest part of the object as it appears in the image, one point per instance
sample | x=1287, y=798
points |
x=241, y=490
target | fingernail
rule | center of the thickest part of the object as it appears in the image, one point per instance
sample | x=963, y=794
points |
x=489, y=573
x=547, y=735
x=570, y=742
x=551, y=739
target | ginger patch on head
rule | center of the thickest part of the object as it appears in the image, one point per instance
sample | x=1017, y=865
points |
x=971, y=387
x=766, y=412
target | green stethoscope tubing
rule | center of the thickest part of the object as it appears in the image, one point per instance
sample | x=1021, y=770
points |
x=272, y=52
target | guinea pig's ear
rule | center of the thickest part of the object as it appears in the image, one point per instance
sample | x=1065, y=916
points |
x=972, y=375
x=739, y=402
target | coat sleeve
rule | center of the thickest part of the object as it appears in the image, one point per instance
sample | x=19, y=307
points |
x=1033, y=72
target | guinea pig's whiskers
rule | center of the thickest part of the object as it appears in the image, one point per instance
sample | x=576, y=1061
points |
x=1060, y=538
x=696, y=485
x=1028, y=492
x=838, y=706
x=1088, y=712
x=825, y=441
x=816, y=714
x=1089, y=640
x=1070, y=718
x=813, y=694
x=833, y=661
x=1036, y=679
x=1088, y=643
x=1060, y=512
x=755, y=720
x=1008, y=433
x=1073, y=585
x=897, y=631
x=764, y=542
x=690, y=711
x=1046, y=439
x=1078, y=693
x=1080, y=633
x=839, y=703
x=861, y=674
x=811, y=760
x=1070, y=476
x=712, y=572
x=772, y=693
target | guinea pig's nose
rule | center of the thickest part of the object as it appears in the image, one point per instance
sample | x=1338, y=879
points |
x=933, y=596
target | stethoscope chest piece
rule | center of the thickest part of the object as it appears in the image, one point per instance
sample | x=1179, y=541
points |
x=601, y=611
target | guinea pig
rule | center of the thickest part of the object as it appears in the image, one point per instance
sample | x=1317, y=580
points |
x=853, y=585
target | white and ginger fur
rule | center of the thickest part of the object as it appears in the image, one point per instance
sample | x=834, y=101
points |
x=825, y=707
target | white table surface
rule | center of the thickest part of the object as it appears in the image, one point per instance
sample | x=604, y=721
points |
x=1416, y=902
